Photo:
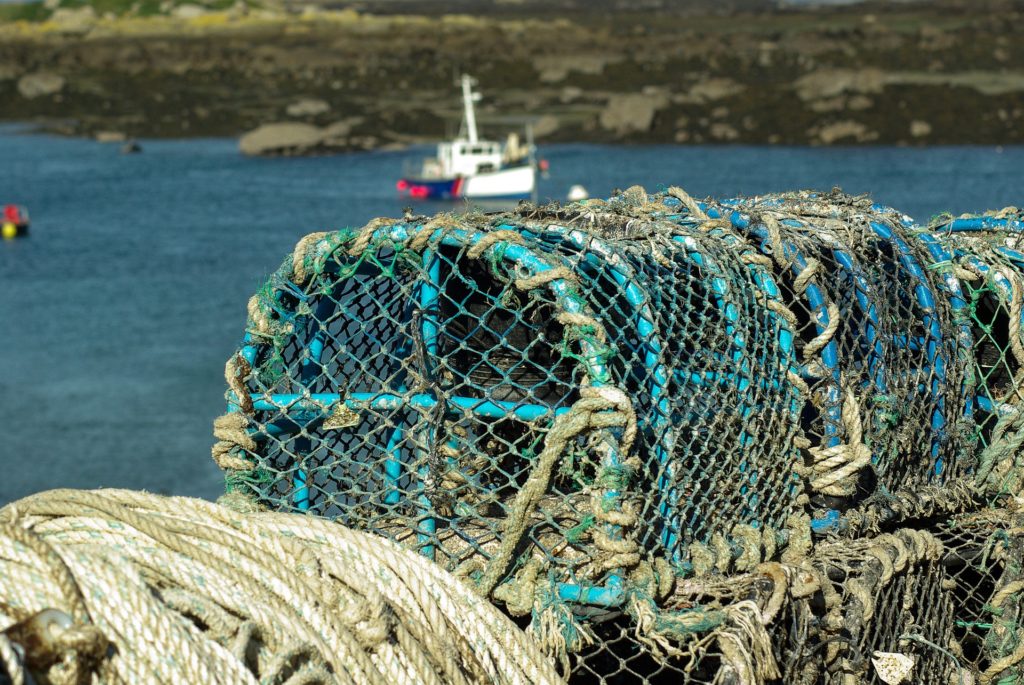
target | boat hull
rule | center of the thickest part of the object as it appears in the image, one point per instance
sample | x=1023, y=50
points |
x=517, y=182
x=514, y=183
x=432, y=189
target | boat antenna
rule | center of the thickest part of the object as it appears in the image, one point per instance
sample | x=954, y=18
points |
x=468, y=98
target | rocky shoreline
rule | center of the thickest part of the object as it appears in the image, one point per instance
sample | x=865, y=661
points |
x=346, y=80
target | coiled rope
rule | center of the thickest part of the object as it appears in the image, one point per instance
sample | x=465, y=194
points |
x=115, y=586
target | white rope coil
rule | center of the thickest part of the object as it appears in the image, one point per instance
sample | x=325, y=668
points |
x=149, y=589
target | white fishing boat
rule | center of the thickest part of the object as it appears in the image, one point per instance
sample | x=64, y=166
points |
x=473, y=168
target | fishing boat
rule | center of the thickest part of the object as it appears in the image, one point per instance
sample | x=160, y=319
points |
x=13, y=222
x=469, y=167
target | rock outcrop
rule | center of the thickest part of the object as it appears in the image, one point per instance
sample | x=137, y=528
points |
x=307, y=107
x=631, y=113
x=283, y=138
x=288, y=138
x=846, y=131
x=188, y=11
x=40, y=84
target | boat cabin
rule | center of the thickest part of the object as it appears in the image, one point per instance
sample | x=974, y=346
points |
x=468, y=158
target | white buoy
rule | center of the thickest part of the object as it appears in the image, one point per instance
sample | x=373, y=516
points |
x=577, y=193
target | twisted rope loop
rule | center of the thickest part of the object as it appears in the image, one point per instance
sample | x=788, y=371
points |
x=187, y=591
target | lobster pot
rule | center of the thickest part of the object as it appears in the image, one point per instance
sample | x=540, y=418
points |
x=983, y=571
x=407, y=390
x=706, y=361
x=828, y=297
x=939, y=605
x=765, y=440
x=982, y=255
x=877, y=340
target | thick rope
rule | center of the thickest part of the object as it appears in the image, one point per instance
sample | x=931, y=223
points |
x=489, y=240
x=833, y=470
x=187, y=591
x=558, y=273
x=926, y=501
x=687, y=201
x=582, y=321
x=774, y=228
x=10, y=662
x=999, y=463
x=236, y=370
x=811, y=269
x=300, y=256
x=997, y=668
x=602, y=407
x=819, y=342
x=361, y=242
x=232, y=436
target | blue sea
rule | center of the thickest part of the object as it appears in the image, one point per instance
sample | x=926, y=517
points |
x=119, y=310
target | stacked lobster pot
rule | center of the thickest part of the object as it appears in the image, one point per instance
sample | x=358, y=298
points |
x=713, y=442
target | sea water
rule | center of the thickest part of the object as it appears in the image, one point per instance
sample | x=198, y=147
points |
x=119, y=310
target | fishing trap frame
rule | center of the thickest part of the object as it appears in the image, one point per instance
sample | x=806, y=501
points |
x=770, y=439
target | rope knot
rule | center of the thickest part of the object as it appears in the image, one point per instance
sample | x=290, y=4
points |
x=834, y=470
x=56, y=645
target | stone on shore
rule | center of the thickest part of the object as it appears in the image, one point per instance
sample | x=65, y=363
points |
x=546, y=125
x=40, y=84
x=307, y=107
x=110, y=137
x=289, y=138
x=74, y=20
x=631, y=113
x=283, y=138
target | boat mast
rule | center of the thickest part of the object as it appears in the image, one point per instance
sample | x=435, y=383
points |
x=468, y=98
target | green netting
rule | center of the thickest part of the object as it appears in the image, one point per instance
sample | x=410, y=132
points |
x=763, y=440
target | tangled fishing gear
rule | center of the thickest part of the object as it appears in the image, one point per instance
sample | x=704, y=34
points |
x=770, y=439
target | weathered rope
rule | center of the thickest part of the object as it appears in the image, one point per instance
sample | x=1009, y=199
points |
x=300, y=256
x=231, y=434
x=601, y=407
x=11, y=662
x=188, y=591
x=489, y=240
x=1016, y=306
x=236, y=370
x=999, y=464
x=833, y=470
x=687, y=201
x=998, y=667
x=774, y=228
x=361, y=242
x=558, y=273
x=886, y=509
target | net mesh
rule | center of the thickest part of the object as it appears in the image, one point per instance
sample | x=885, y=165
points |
x=771, y=439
